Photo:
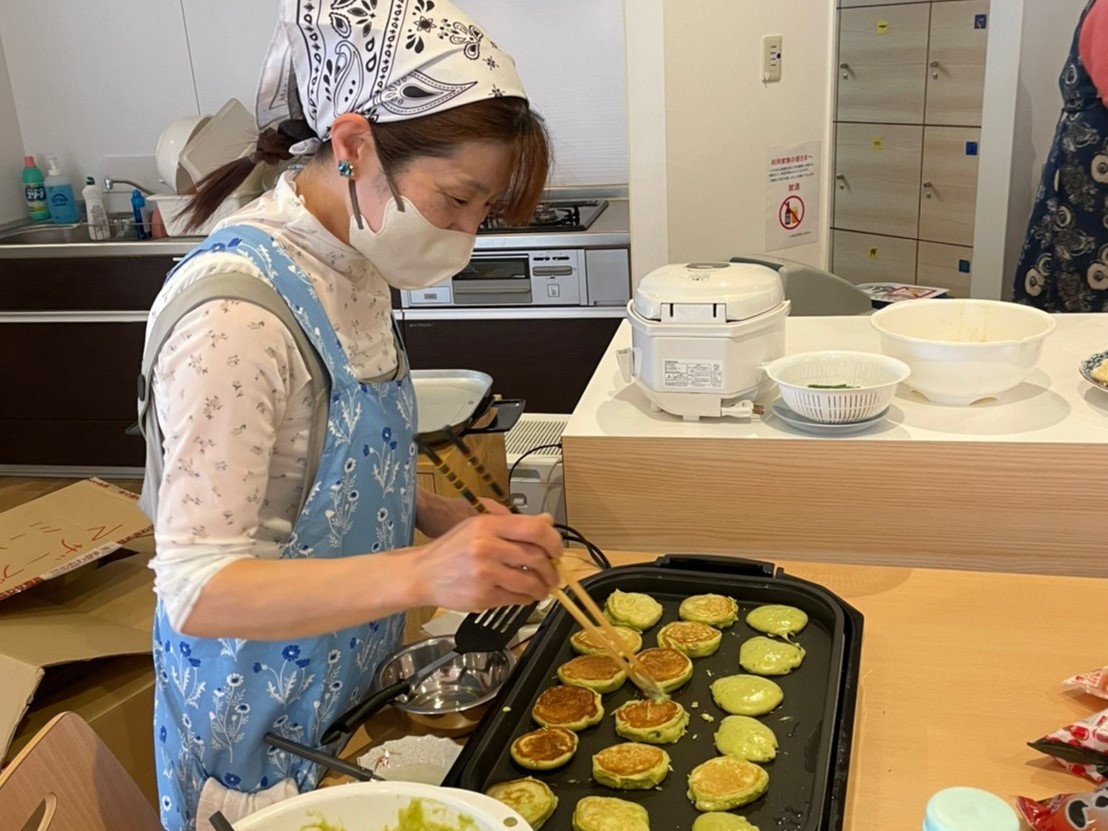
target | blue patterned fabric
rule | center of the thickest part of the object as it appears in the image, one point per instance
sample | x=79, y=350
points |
x=1064, y=263
x=216, y=698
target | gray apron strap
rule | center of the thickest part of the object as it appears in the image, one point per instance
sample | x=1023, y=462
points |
x=230, y=286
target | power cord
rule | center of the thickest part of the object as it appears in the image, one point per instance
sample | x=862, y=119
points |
x=573, y=535
x=515, y=464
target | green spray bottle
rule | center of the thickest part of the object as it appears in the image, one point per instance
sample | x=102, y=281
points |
x=34, y=190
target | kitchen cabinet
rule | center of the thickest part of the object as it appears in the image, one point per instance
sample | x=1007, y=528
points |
x=949, y=192
x=881, y=50
x=872, y=258
x=72, y=330
x=945, y=266
x=548, y=360
x=877, y=177
x=908, y=138
x=956, y=62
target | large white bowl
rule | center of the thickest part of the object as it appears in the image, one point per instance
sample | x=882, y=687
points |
x=961, y=351
x=871, y=379
x=374, y=806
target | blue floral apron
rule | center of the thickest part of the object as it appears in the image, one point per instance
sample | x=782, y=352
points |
x=1064, y=263
x=216, y=698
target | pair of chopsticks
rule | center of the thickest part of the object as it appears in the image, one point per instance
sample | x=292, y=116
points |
x=598, y=626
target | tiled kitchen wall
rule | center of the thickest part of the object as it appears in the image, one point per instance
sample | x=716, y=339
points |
x=95, y=83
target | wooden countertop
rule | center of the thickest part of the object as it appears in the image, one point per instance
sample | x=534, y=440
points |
x=959, y=670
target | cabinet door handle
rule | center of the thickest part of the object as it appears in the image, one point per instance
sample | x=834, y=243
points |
x=935, y=65
x=927, y=189
x=841, y=179
x=845, y=67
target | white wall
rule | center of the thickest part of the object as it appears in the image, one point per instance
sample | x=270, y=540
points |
x=119, y=72
x=720, y=120
x=11, y=151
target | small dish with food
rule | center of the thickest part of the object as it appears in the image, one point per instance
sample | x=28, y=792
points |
x=1094, y=369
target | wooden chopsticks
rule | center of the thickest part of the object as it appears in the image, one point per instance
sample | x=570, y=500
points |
x=599, y=626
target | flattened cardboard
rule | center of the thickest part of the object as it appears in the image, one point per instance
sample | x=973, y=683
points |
x=62, y=531
x=81, y=643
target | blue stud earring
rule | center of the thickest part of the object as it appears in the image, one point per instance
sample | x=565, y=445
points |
x=346, y=168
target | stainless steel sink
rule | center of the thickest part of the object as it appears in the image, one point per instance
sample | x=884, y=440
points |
x=47, y=234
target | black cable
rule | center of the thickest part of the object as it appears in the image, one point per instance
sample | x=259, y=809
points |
x=573, y=535
x=515, y=464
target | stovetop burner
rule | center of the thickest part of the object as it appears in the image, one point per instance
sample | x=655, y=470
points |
x=553, y=215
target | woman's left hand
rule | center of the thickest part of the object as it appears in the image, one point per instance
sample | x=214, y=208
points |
x=435, y=515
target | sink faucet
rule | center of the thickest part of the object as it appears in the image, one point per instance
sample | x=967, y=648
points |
x=109, y=182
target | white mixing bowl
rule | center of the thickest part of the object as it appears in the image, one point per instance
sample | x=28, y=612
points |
x=961, y=351
x=375, y=806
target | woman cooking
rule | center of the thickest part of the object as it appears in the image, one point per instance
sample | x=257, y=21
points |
x=279, y=589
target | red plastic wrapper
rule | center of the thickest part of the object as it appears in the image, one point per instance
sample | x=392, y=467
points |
x=1094, y=682
x=1081, y=747
x=1067, y=812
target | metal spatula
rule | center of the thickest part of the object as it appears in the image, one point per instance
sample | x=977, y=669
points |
x=488, y=631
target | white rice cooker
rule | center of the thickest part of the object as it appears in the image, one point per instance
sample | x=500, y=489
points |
x=701, y=335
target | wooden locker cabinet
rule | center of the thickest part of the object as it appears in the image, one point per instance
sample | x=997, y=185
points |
x=956, y=62
x=871, y=258
x=948, y=197
x=882, y=50
x=945, y=266
x=877, y=178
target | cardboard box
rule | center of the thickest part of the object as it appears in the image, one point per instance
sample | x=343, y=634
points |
x=75, y=629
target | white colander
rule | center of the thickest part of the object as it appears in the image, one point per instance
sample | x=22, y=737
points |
x=871, y=380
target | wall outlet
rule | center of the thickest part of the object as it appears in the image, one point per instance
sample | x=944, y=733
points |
x=771, y=58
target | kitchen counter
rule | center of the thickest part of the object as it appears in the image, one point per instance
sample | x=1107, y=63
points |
x=1016, y=484
x=610, y=230
x=955, y=679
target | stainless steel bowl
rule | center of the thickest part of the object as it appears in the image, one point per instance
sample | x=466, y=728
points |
x=453, y=699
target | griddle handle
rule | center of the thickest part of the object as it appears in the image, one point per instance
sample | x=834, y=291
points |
x=353, y=718
x=508, y=412
x=718, y=564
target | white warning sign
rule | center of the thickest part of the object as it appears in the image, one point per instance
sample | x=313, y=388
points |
x=792, y=196
x=693, y=375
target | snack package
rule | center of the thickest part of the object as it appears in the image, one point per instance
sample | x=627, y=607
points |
x=1081, y=747
x=1066, y=812
x=1094, y=682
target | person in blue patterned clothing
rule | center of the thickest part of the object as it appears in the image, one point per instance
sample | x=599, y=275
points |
x=1064, y=263
x=281, y=590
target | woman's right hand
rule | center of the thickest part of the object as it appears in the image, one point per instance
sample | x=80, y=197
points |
x=489, y=561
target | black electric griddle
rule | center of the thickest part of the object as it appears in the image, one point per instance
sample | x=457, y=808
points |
x=814, y=724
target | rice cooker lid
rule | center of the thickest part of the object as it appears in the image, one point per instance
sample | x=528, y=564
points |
x=708, y=292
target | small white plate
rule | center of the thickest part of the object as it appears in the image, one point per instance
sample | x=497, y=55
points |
x=795, y=419
x=424, y=759
x=1091, y=363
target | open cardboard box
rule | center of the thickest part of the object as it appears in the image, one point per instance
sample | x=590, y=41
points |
x=75, y=628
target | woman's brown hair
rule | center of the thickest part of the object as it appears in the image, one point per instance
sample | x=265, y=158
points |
x=509, y=120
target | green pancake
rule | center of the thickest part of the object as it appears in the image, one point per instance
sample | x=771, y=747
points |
x=531, y=799
x=726, y=782
x=630, y=766
x=632, y=609
x=711, y=609
x=604, y=813
x=746, y=738
x=652, y=722
x=746, y=695
x=765, y=656
x=722, y=821
x=776, y=619
x=583, y=641
x=697, y=640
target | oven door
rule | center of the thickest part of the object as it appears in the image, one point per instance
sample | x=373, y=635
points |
x=544, y=355
x=494, y=280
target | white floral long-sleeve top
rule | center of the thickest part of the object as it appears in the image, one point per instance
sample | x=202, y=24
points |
x=232, y=396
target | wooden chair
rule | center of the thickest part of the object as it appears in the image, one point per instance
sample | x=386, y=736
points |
x=66, y=779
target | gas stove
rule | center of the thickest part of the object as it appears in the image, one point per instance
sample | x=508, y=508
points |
x=553, y=215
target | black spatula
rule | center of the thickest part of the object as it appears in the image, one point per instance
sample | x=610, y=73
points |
x=488, y=631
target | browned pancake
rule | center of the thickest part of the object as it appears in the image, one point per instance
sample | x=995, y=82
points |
x=644, y=715
x=545, y=746
x=630, y=758
x=686, y=632
x=584, y=641
x=566, y=705
x=664, y=664
x=592, y=668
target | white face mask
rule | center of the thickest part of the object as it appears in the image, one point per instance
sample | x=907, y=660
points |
x=409, y=252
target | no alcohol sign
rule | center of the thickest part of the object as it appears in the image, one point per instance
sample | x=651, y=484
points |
x=792, y=196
